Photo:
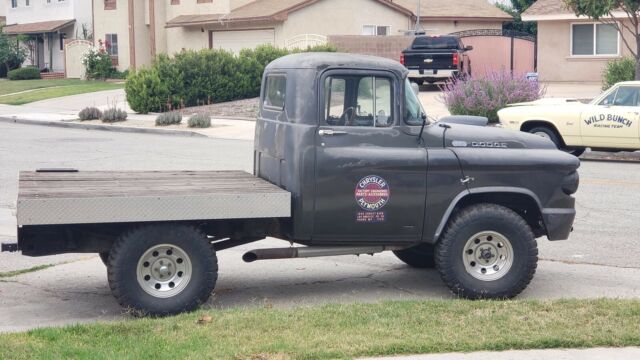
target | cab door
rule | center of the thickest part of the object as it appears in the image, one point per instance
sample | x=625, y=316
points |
x=613, y=122
x=370, y=171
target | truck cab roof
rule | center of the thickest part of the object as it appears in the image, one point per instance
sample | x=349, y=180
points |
x=321, y=61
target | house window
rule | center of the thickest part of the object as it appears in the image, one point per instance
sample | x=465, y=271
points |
x=204, y=1
x=111, y=44
x=275, y=91
x=27, y=2
x=175, y=2
x=110, y=4
x=594, y=40
x=375, y=30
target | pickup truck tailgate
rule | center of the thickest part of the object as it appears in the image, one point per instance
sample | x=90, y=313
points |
x=121, y=197
x=416, y=61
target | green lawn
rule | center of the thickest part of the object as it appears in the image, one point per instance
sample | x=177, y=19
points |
x=48, y=89
x=342, y=331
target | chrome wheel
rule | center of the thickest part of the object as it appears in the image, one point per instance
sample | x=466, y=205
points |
x=164, y=271
x=488, y=256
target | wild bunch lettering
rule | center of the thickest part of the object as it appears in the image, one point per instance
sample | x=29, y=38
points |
x=618, y=119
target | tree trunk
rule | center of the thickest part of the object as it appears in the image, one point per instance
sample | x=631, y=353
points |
x=637, y=57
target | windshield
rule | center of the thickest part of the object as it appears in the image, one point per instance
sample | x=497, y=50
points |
x=413, y=109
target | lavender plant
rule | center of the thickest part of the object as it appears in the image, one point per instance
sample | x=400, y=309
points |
x=484, y=96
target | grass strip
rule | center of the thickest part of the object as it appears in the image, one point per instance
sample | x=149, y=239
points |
x=342, y=331
x=14, y=86
x=59, y=91
x=13, y=273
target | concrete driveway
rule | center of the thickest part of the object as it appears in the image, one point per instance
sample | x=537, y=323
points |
x=600, y=259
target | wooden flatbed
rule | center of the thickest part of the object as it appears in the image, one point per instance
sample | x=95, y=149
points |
x=88, y=197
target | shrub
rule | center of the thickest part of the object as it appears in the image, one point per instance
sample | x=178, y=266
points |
x=485, y=96
x=90, y=113
x=199, y=121
x=193, y=78
x=617, y=71
x=170, y=118
x=97, y=62
x=25, y=73
x=113, y=114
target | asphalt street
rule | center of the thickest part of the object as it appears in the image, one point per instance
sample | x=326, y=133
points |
x=602, y=258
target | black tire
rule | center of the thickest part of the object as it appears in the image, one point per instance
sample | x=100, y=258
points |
x=553, y=136
x=104, y=256
x=127, y=252
x=420, y=256
x=463, y=228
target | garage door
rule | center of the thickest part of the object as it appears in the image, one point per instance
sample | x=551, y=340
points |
x=235, y=41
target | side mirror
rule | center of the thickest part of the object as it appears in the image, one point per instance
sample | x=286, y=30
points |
x=468, y=48
x=415, y=88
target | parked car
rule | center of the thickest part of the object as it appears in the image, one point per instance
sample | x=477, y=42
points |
x=346, y=163
x=436, y=58
x=608, y=123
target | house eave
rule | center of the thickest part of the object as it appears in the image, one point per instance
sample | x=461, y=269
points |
x=567, y=16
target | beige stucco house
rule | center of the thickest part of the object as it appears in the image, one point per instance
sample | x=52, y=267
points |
x=136, y=30
x=571, y=48
x=49, y=23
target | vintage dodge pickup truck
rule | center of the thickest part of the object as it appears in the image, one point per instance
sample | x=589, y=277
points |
x=345, y=162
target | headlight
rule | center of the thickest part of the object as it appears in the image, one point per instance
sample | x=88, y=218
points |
x=570, y=183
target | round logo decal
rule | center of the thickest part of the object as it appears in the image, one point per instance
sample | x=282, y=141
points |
x=372, y=193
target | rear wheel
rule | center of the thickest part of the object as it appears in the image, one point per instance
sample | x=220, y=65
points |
x=548, y=133
x=162, y=269
x=487, y=252
x=420, y=256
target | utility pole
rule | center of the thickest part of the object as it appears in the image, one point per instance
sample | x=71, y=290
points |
x=417, y=30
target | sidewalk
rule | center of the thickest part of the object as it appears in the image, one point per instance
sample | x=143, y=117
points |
x=64, y=112
x=555, y=354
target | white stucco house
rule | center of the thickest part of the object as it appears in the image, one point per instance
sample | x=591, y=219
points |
x=48, y=23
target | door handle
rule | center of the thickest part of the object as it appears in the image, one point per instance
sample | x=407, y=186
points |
x=329, y=132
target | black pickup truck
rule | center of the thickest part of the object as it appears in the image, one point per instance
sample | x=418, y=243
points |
x=436, y=58
x=345, y=163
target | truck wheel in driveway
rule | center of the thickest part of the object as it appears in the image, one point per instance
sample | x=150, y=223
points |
x=487, y=252
x=162, y=269
x=551, y=135
x=420, y=256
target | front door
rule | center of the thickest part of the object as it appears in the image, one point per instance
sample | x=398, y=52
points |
x=370, y=171
x=613, y=122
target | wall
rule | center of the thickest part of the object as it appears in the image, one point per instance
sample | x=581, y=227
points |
x=39, y=11
x=74, y=50
x=190, y=38
x=385, y=46
x=555, y=62
x=113, y=22
x=347, y=18
x=191, y=7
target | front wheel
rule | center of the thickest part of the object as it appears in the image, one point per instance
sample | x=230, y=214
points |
x=162, y=269
x=487, y=252
x=548, y=133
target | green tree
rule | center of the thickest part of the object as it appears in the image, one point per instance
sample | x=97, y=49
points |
x=621, y=14
x=516, y=9
x=12, y=55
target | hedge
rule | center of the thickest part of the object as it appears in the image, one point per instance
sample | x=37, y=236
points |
x=193, y=78
x=25, y=73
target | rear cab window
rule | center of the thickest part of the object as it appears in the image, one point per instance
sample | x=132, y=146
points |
x=275, y=92
x=436, y=42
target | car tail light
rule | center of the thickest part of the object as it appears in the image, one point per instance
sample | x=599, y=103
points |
x=402, y=59
x=456, y=59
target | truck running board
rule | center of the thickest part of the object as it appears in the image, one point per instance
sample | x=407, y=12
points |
x=312, y=251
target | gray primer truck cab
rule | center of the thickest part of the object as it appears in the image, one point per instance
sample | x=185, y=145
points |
x=345, y=163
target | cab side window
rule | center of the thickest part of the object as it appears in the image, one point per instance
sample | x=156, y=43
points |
x=275, y=91
x=358, y=101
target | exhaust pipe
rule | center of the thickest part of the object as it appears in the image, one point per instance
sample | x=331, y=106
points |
x=309, y=252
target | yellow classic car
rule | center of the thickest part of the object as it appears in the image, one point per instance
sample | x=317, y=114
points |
x=608, y=123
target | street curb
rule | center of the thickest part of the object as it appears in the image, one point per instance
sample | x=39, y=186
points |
x=112, y=128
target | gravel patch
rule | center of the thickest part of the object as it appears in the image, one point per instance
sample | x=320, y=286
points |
x=245, y=109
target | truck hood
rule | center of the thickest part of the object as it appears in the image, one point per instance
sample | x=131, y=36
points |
x=469, y=136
